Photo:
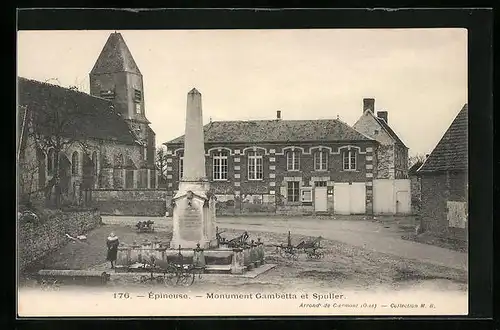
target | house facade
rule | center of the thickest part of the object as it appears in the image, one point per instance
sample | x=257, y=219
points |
x=392, y=186
x=97, y=141
x=284, y=166
x=444, y=183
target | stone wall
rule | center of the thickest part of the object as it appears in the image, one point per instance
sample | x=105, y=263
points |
x=400, y=162
x=36, y=239
x=437, y=190
x=140, y=202
x=385, y=162
x=416, y=199
x=251, y=204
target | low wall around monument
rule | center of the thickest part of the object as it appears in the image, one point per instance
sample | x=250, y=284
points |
x=255, y=204
x=139, y=202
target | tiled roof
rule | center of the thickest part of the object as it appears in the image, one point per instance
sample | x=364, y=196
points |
x=451, y=153
x=261, y=131
x=115, y=57
x=389, y=130
x=85, y=116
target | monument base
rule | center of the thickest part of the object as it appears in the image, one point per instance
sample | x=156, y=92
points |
x=193, y=216
x=185, y=244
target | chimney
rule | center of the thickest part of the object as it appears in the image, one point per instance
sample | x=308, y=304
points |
x=383, y=115
x=278, y=114
x=369, y=104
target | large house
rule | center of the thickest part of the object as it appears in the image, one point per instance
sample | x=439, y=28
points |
x=444, y=183
x=391, y=186
x=284, y=166
x=101, y=140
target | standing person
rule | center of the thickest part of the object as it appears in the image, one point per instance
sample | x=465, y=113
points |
x=112, y=244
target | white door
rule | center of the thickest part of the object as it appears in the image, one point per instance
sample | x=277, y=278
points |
x=358, y=198
x=341, y=198
x=383, y=196
x=320, y=199
x=403, y=202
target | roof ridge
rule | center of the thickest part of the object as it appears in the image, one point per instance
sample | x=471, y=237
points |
x=65, y=88
x=260, y=131
x=441, y=145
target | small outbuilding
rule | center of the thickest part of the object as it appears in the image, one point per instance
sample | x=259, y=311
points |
x=444, y=183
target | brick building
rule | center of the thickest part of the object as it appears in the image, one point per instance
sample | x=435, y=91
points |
x=106, y=138
x=284, y=166
x=391, y=185
x=444, y=183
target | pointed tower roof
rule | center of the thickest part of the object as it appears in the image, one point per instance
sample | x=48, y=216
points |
x=115, y=57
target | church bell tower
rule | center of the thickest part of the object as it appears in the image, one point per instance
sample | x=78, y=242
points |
x=116, y=77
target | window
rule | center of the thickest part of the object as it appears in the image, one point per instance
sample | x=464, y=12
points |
x=94, y=163
x=74, y=163
x=349, y=160
x=293, y=191
x=293, y=161
x=107, y=94
x=321, y=161
x=255, y=167
x=145, y=153
x=137, y=95
x=51, y=161
x=120, y=161
x=220, y=166
x=306, y=194
x=138, y=108
x=181, y=167
x=320, y=183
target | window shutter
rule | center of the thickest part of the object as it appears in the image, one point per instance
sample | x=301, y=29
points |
x=283, y=192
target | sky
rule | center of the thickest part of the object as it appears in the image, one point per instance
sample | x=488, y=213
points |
x=418, y=75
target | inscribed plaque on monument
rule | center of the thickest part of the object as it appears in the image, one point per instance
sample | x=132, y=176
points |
x=190, y=223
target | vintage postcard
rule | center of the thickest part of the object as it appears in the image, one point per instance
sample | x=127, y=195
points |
x=242, y=172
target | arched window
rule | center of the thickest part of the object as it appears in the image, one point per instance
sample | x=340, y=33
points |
x=51, y=161
x=94, y=163
x=293, y=160
x=74, y=163
x=119, y=161
x=220, y=166
x=349, y=160
x=255, y=167
x=321, y=160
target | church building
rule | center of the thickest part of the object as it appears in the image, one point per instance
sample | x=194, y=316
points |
x=100, y=140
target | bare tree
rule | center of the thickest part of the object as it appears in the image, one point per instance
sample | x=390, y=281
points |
x=58, y=129
x=161, y=164
x=417, y=158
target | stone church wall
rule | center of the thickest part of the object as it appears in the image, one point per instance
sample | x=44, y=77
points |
x=139, y=202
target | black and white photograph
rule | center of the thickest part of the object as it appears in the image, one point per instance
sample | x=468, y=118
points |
x=244, y=172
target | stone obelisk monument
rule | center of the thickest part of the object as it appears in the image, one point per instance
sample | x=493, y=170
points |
x=193, y=207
